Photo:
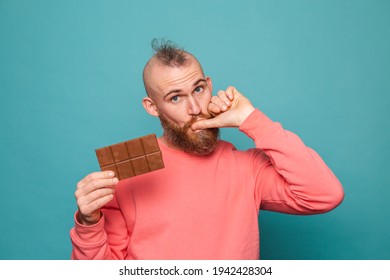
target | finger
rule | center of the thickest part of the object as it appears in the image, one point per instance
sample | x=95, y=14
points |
x=214, y=109
x=231, y=92
x=94, y=176
x=217, y=102
x=94, y=185
x=95, y=205
x=223, y=97
x=95, y=195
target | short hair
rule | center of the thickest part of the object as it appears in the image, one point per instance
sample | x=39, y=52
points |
x=168, y=53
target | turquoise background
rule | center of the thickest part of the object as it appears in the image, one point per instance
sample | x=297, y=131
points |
x=70, y=82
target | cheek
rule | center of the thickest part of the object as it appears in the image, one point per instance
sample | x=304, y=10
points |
x=178, y=117
x=204, y=102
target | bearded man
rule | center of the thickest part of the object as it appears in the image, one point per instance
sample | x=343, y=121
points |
x=205, y=203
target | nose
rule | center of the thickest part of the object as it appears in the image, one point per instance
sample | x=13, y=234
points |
x=193, y=107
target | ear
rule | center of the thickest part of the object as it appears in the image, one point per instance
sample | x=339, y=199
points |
x=149, y=106
x=209, y=84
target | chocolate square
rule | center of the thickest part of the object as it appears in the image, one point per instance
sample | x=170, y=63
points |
x=131, y=158
x=119, y=151
x=125, y=169
x=105, y=156
x=140, y=165
x=155, y=161
x=135, y=148
x=150, y=144
x=111, y=167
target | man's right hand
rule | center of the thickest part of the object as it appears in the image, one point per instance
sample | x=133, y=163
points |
x=92, y=193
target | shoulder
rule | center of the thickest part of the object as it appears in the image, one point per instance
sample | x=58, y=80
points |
x=223, y=145
x=251, y=153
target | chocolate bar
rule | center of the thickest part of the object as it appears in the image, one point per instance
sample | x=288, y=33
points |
x=131, y=158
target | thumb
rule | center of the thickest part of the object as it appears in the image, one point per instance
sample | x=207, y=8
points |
x=203, y=124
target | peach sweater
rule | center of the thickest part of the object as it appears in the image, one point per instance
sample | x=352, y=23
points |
x=207, y=207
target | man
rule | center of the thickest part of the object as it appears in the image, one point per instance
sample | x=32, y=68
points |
x=204, y=204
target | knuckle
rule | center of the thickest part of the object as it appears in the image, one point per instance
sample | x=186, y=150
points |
x=81, y=202
x=85, y=210
x=95, y=205
x=79, y=185
x=94, y=175
x=81, y=208
x=90, y=176
x=214, y=98
x=95, y=184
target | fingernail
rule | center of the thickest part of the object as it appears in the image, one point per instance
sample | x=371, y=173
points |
x=115, y=180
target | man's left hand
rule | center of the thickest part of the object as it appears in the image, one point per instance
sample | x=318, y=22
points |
x=229, y=109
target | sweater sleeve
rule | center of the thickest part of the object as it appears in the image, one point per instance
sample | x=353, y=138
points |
x=108, y=239
x=294, y=179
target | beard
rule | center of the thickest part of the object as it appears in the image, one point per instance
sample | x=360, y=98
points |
x=201, y=143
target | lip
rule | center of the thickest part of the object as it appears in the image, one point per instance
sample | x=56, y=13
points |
x=194, y=130
x=194, y=121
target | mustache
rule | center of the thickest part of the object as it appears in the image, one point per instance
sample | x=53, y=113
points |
x=194, y=119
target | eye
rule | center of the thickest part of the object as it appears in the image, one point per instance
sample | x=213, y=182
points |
x=175, y=99
x=198, y=89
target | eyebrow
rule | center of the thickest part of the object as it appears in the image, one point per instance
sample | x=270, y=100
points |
x=179, y=90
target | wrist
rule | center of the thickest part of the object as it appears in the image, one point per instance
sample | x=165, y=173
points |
x=256, y=125
x=245, y=114
x=88, y=221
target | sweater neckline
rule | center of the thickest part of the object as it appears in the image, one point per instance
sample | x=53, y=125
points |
x=165, y=149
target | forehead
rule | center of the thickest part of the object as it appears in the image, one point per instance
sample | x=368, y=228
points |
x=164, y=78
